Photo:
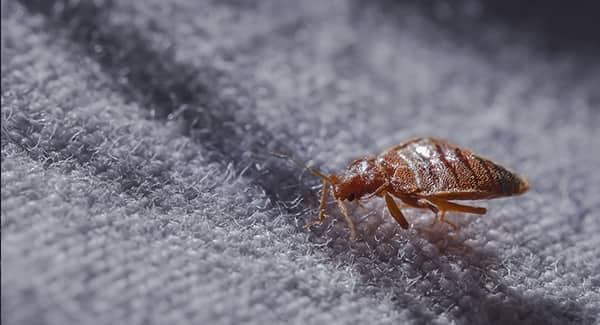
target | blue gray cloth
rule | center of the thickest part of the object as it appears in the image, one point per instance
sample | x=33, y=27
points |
x=139, y=184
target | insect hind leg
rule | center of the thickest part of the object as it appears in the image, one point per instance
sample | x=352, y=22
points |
x=443, y=219
x=414, y=202
x=455, y=207
x=443, y=206
x=440, y=207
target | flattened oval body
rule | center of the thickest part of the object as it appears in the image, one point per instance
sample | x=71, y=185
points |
x=431, y=167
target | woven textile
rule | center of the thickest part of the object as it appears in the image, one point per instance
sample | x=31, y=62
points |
x=138, y=184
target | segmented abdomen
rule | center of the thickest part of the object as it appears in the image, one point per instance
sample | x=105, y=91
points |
x=437, y=168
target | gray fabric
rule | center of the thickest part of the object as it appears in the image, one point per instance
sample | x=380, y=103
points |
x=138, y=184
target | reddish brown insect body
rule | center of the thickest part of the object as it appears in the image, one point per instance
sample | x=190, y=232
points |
x=423, y=173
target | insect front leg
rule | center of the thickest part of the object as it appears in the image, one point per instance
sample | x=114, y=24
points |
x=322, y=206
x=348, y=219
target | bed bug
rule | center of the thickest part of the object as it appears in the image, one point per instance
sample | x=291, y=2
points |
x=425, y=173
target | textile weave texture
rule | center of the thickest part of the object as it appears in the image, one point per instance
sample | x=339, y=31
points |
x=139, y=184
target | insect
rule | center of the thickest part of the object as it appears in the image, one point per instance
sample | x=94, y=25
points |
x=425, y=173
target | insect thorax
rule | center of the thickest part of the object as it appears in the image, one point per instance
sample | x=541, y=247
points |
x=362, y=177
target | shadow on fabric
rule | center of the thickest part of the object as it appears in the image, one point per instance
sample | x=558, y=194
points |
x=173, y=90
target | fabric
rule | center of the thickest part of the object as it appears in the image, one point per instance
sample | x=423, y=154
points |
x=139, y=183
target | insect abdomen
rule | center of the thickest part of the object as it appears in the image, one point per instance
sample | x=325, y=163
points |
x=445, y=170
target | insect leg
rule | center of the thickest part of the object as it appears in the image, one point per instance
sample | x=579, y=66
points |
x=440, y=212
x=348, y=219
x=418, y=203
x=435, y=218
x=451, y=206
x=322, y=206
x=395, y=211
x=443, y=219
x=379, y=191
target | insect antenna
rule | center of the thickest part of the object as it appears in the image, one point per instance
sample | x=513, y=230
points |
x=303, y=165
